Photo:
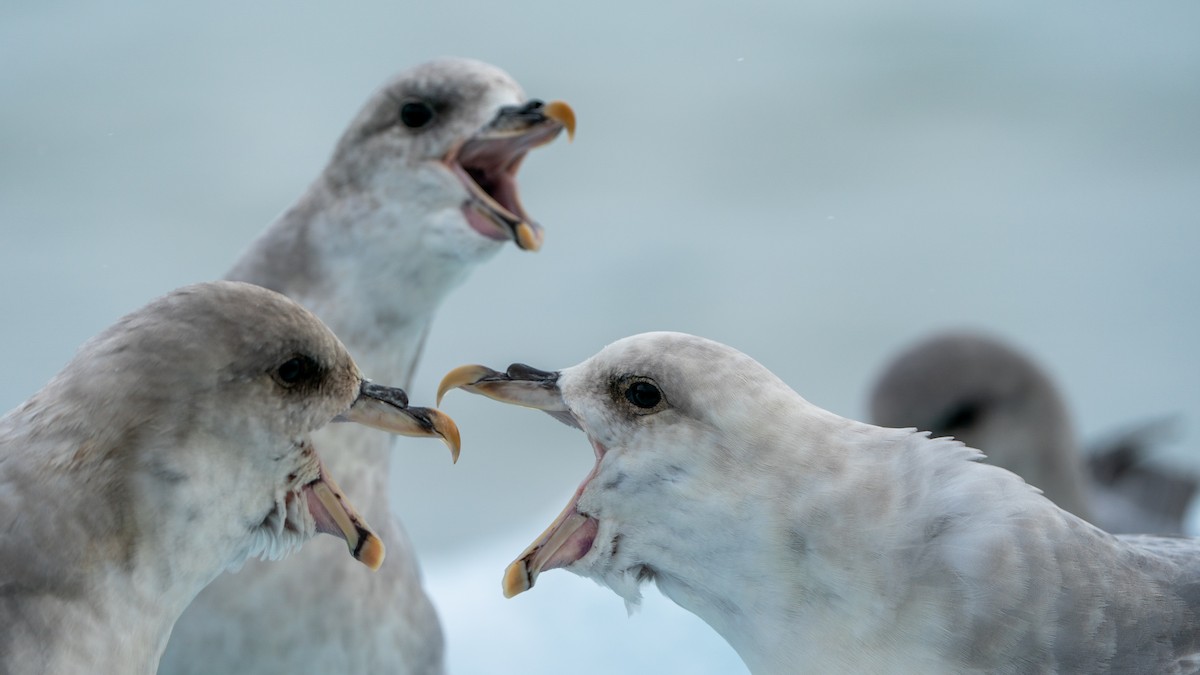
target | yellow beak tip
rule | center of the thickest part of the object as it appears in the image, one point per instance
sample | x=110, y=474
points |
x=561, y=112
x=372, y=553
x=445, y=427
x=529, y=238
x=516, y=579
x=460, y=377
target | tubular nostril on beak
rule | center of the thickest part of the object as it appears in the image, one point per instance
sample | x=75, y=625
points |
x=396, y=397
x=531, y=106
x=520, y=371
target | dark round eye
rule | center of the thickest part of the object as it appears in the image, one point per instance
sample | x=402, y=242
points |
x=961, y=416
x=297, y=369
x=416, y=114
x=643, y=394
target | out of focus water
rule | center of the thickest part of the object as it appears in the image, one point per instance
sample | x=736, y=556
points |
x=816, y=184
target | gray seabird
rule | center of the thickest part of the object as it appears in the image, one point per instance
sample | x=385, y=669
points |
x=816, y=544
x=991, y=396
x=420, y=189
x=175, y=445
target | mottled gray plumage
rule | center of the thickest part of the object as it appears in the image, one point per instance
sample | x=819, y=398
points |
x=165, y=452
x=814, y=543
x=388, y=229
x=991, y=396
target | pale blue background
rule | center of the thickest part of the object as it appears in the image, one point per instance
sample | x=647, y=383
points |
x=816, y=184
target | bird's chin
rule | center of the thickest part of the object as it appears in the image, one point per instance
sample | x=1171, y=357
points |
x=613, y=564
x=486, y=166
x=282, y=532
x=312, y=504
x=568, y=539
x=485, y=225
x=627, y=582
x=573, y=536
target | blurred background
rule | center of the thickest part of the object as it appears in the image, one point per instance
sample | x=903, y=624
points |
x=816, y=184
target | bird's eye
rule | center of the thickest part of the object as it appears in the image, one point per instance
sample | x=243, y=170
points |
x=416, y=114
x=300, y=368
x=643, y=394
x=960, y=417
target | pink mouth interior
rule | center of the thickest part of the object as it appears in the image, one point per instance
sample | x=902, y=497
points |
x=484, y=225
x=490, y=165
x=321, y=516
x=575, y=547
x=579, y=543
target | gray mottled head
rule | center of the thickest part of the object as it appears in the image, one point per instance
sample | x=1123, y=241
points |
x=421, y=187
x=991, y=397
x=462, y=96
x=174, y=445
x=686, y=431
x=203, y=402
x=224, y=358
x=449, y=133
x=697, y=379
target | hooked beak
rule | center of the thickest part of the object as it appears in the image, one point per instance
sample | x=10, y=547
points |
x=520, y=384
x=387, y=408
x=571, y=535
x=515, y=121
x=487, y=163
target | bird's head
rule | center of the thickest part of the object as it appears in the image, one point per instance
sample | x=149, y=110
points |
x=213, y=392
x=990, y=396
x=447, y=138
x=670, y=417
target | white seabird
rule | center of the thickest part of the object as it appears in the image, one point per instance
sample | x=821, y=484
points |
x=173, y=446
x=991, y=396
x=814, y=543
x=420, y=189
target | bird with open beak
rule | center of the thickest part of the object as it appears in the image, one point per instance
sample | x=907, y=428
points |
x=421, y=188
x=815, y=543
x=175, y=445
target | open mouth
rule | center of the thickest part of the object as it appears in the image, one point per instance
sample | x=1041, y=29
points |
x=332, y=514
x=320, y=506
x=313, y=502
x=307, y=508
x=572, y=534
x=487, y=165
x=569, y=538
